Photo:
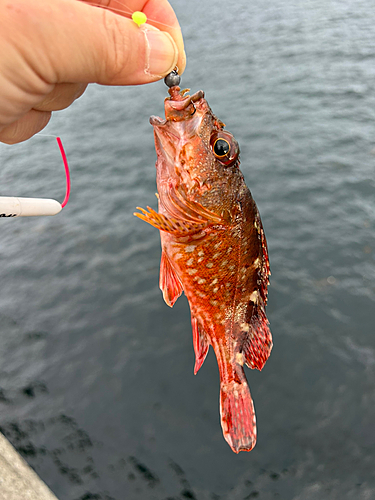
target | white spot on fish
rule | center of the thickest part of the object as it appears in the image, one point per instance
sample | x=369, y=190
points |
x=245, y=327
x=216, y=255
x=215, y=289
x=214, y=302
x=200, y=260
x=254, y=297
x=209, y=265
x=200, y=253
x=191, y=271
x=190, y=248
x=214, y=281
x=200, y=281
x=240, y=358
x=229, y=250
x=177, y=256
x=224, y=263
x=257, y=262
x=190, y=262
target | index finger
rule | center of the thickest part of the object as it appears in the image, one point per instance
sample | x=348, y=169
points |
x=160, y=14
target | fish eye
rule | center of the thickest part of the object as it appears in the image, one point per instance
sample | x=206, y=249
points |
x=224, y=147
x=221, y=147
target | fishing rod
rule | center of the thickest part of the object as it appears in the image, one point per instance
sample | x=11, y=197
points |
x=12, y=206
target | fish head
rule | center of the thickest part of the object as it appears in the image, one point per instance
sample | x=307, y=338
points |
x=195, y=154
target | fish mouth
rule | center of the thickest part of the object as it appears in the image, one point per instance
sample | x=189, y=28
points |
x=178, y=103
x=182, y=120
x=178, y=107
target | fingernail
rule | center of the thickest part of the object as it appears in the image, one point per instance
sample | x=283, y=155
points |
x=161, y=53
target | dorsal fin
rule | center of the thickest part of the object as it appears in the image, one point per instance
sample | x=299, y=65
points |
x=264, y=271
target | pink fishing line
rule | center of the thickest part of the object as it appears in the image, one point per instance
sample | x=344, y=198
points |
x=67, y=174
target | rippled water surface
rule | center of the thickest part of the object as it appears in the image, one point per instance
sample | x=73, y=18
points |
x=97, y=389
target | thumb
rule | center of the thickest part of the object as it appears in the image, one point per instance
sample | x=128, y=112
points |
x=70, y=41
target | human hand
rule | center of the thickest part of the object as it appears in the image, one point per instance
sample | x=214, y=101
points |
x=51, y=49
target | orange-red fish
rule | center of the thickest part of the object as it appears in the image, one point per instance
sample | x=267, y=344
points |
x=214, y=250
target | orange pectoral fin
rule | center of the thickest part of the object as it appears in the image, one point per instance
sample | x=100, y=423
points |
x=191, y=211
x=168, y=224
x=169, y=282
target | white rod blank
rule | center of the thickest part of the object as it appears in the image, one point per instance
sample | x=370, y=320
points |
x=11, y=206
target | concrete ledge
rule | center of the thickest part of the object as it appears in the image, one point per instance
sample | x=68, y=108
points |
x=17, y=479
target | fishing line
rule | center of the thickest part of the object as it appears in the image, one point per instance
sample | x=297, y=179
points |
x=11, y=206
x=124, y=10
x=66, y=166
x=67, y=173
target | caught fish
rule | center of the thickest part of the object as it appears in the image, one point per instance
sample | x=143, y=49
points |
x=213, y=249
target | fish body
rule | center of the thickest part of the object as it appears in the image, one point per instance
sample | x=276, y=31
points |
x=214, y=250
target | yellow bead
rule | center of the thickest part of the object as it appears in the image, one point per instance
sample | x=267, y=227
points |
x=139, y=17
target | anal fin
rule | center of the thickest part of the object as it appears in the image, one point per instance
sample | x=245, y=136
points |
x=200, y=343
x=169, y=282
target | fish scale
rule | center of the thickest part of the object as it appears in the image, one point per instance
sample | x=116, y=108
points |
x=214, y=250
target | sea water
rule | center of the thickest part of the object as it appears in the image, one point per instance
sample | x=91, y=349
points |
x=97, y=390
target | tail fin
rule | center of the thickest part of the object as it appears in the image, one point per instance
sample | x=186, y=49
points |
x=238, y=416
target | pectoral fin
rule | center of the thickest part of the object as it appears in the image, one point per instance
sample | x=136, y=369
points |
x=188, y=210
x=169, y=282
x=170, y=225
